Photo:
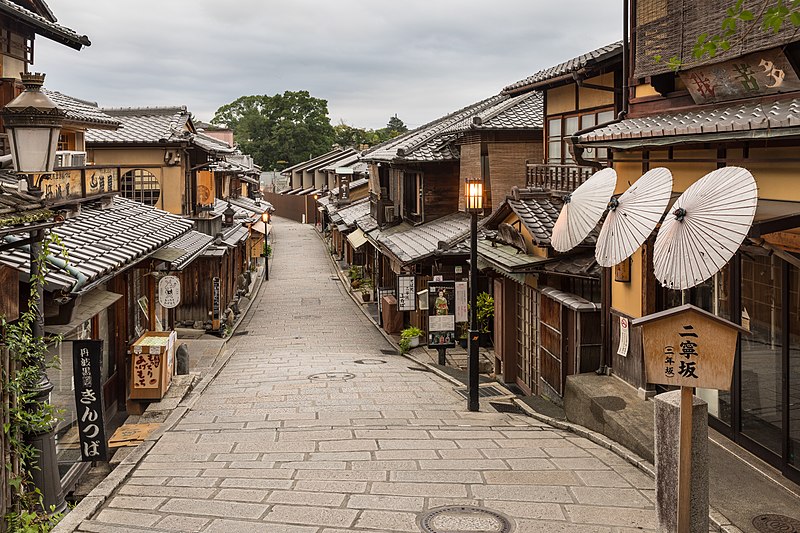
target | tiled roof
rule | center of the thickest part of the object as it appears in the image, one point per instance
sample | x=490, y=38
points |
x=749, y=119
x=430, y=142
x=414, y=243
x=81, y=111
x=212, y=144
x=100, y=240
x=256, y=207
x=155, y=125
x=43, y=26
x=367, y=223
x=584, y=265
x=538, y=214
x=18, y=209
x=507, y=257
x=193, y=244
x=321, y=161
x=567, y=67
x=348, y=161
x=348, y=215
x=524, y=111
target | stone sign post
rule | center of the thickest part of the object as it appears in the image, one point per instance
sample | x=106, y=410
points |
x=686, y=347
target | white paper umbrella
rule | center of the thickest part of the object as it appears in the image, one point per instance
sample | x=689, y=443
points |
x=705, y=227
x=582, y=210
x=633, y=216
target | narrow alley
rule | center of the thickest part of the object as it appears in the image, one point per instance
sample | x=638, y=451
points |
x=314, y=425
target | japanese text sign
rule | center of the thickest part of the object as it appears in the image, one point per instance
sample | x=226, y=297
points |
x=406, y=293
x=689, y=347
x=86, y=363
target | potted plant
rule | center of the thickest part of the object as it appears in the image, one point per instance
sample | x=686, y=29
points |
x=485, y=316
x=366, y=289
x=409, y=338
x=462, y=330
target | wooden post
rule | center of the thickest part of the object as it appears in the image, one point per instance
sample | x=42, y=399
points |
x=685, y=461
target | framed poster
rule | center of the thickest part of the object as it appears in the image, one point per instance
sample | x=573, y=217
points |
x=406, y=293
x=442, y=314
x=462, y=307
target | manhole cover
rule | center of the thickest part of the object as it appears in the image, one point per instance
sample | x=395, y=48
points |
x=483, y=392
x=772, y=523
x=331, y=376
x=369, y=362
x=464, y=519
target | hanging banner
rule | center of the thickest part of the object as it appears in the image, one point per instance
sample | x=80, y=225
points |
x=441, y=314
x=406, y=293
x=205, y=187
x=87, y=357
x=215, y=308
x=169, y=292
x=462, y=308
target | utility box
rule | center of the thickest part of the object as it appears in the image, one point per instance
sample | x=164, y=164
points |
x=392, y=318
x=152, y=364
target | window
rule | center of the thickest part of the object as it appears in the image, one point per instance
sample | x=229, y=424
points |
x=412, y=196
x=561, y=128
x=140, y=185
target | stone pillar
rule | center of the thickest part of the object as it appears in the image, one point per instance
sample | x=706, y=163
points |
x=667, y=435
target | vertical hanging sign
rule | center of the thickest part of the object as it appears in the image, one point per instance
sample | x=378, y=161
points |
x=86, y=365
x=215, y=309
x=406, y=293
x=462, y=308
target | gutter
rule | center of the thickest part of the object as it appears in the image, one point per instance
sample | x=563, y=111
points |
x=80, y=278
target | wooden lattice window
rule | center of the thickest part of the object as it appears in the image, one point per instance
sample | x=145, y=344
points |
x=140, y=185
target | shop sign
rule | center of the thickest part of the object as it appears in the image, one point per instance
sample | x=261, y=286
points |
x=462, y=307
x=442, y=314
x=215, y=308
x=689, y=347
x=169, y=292
x=80, y=183
x=406, y=293
x=86, y=365
x=624, y=336
x=758, y=74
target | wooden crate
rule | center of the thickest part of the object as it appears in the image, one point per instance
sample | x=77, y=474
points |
x=152, y=364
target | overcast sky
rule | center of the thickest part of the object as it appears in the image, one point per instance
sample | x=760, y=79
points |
x=369, y=59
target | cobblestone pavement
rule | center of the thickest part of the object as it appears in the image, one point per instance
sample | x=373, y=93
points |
x=270, y=447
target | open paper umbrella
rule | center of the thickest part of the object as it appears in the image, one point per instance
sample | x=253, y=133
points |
x=633, y=216
x=705, y=227
x=582, y=210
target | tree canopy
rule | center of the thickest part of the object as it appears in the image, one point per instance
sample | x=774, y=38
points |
x=346, y=135
x=290, y=127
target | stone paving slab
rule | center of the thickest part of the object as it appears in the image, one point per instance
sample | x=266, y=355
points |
x=263, y=448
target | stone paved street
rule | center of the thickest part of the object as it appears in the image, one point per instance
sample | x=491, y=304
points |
x=361, y=447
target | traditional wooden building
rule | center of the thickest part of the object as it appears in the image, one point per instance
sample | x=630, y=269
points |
x=738, y=108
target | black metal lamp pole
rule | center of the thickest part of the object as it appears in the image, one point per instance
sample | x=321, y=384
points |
x=33, y=123
x=474, y=200
x=265, y=220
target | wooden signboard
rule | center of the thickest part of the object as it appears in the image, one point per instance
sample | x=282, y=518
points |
x=9, y=297
x=689, y=347
x=215, y=304
x=406, y=293
x=87, y=358
x=758, y=74
x=153, y=360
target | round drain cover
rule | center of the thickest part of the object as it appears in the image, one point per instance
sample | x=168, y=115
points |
x=332, y=376
x=369, y=362
x=773, y=523
x=464, y=519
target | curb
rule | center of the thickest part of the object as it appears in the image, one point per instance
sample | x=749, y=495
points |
x=716, y=519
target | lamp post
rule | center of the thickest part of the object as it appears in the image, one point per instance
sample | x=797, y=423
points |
x=33, y=124
x=265, y=220
x=473, y=191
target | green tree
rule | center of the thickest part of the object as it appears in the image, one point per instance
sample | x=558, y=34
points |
x=292, y=127
x=396, y=125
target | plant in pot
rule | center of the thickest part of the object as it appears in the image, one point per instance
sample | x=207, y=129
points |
x=462, y=331
x=485, y=316
x=410, y=338
x=366, y=289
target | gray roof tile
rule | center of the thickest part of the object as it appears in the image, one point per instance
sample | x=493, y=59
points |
x=524, y=111
x=766, y=116
x=567, y=67
x=44, y=26
x=81, y=111
x=414, y=243
x=538, y=214
x=144, y=125
x=101, y=240
x=193, y=243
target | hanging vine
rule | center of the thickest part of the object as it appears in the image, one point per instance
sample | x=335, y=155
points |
x=24, y=357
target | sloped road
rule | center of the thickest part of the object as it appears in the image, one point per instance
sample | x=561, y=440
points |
x=269, y=447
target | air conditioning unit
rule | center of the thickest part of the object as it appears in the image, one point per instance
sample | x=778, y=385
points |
x=70, y=158
x=388, y=214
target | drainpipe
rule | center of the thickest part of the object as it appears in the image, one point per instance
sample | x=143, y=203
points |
x=574, y=138
x=59, y=263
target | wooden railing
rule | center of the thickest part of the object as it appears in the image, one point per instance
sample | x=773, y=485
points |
x=563, y=178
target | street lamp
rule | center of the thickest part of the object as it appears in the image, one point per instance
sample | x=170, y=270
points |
x=33, y=124
x=473, y=191
x=228, y=215
x=265, y=220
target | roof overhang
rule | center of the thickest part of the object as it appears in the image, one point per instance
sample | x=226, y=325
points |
x=632, y=143
x=773, y=216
